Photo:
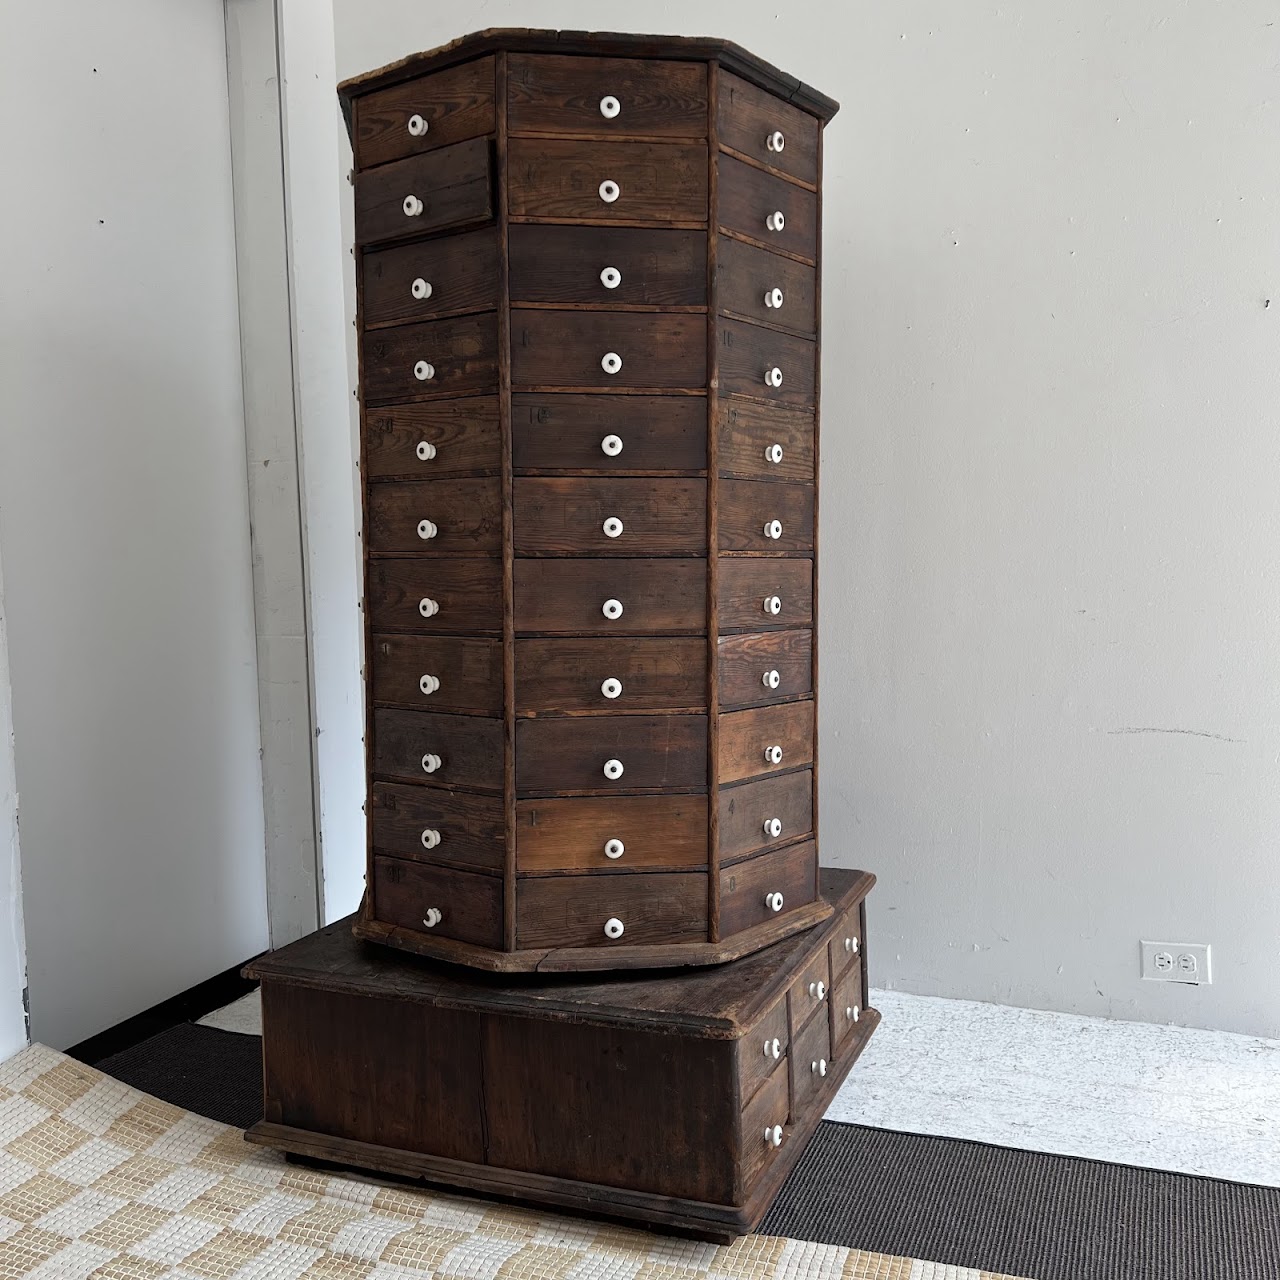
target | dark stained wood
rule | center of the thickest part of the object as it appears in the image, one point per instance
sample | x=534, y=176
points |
x=846, y=943
x=571, y=911
x=409, y=894
x=745, y=275
x=462, y=351
x=469, y=827
x=467, y=591
x=468, y=671
x=567, y=597
x=548, y=94
x=811, y=1064
x=469, y=747
x=454, y=186
x=769, y=1107
x=463, y=433
x=809, y=990
x=746, y=582
x=748, y=116
x=746, y=507
x=846, y=1008
x=570, y=833
x=663, y=183
x=659, y=517
x=744, y=735
x=459, y=271
x=759, y=1056
x=745, y=885
x=747, y=350
x=567, y=432
x=656, y=673
x=747, y=429
x=746, y=660
x=744, y=810
x=466, y=513
x=748, y=196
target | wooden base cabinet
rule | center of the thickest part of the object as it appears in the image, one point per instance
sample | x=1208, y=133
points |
x=588, y=287
x=679, y=1102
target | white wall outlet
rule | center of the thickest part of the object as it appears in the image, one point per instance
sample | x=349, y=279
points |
x=1177, y=962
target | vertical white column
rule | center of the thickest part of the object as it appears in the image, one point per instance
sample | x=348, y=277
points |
x=13, y=951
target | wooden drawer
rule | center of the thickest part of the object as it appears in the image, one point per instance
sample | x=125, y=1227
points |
x=747, y=119
x=748, y=432
x=748, y=508
x=656, y=182
x=433, y=438
x=572, y=911
x=454, y=104
x=748, y=585
x=458, y=356
x=565, y=265
x=452, y=187
x=763, y=1049
x=744, y=887
x=765, y=666
x=567, y=597
x=570, y=349
x=568, y=433
x=745, y=810
x=745, y=736
x=466, y=515
x=846, y=942
x=577, y=516
x=748, y=350
x=426, y=824
x=809, y=992
x=551, y=94
x=445, y=673
x=846, y=1008
x=450, y=275
x=747, y=278
x=570, y=755
x=435, y=594
x=810, y=1063
x=647, y=674
x=769, y=1108
x=570, y=834
x=408, y=894
x=463, y=751
x=747, y=200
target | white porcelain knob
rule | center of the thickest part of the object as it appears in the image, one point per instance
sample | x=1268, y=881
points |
x=425, y=451
x=609, y=106
x=773, y=605
x=775, y=141
x=818, y=990
x=609, y=191
x=773, y=901
x=611, y=446
x=412, y=206
x=612, y=609
x=773, y=376
x=429, y=684
x=611, y=688
x=773, y=453
x=427, y=529
x=773, y=1048
x=417, y=126
x=431, y=762
x=428, y=607
x=614, y=848
x=613, y=770
x=773, y=1136
x=775, y=221
x=851, y=946
x=819, y=1068
x=773, y=530
x=611, y=277
x=612, y=527
x=773, y=755
x=613, y=927
x=771, y=679
x=433, y=917
x=611, y=362
x=424, y=371
x=853, y=1012
x=773, y=299
x=421, y=288
x=773, y=827
x=430, y=838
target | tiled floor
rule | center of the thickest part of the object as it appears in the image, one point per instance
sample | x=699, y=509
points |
x=1161, y=1097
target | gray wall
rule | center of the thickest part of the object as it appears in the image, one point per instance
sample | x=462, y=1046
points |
x=1051, y=715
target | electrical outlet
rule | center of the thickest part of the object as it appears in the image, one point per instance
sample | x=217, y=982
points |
x=1187, y=962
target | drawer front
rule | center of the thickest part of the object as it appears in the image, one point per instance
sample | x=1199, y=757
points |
x=433, y=438
x=443, y=357
x=846, y=942
x=656, y=597
x=846, y=1008
x=765, y=666
x=810, y=1063
x=615, y=674
x=766, y=1115
x=757, y=593
x=573, y=348
x=746, y=888
x=765, y=286
x=748, y=510
x=595, y=833
x=748, y=199
x=658, y=182
x=586, y=911
x=572, y=755
x=430, y=278
x=762, y=1051
x=745, y=810
x=601, y=97
x=810, y=992
x=568, y=265
x=465, y=906
x=748, y=352
x=435, y=517
x=610, y=517
x=608, y=433
x=425, y=824
x=454, y=104
x=749, y=119
x=435, y=595
x=446, y=673
x=745, y=736
x=749, y=435
x=452, y=187
x=427, y=746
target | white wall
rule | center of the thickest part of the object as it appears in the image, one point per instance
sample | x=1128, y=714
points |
x=13, y=961
x=123, y=510
x=1050, y=717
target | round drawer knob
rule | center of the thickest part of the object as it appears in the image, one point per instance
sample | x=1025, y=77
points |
x=614, y=848
x=612, y=609
x=613, y=927
x=773, y=1048
x=773, y=827
x=773, y=299
x=424, y=371
x=428, y=607
x=611, y=688
x=429, y=684
x=853, y=1012
x=417, y=126
x=773, y=605
x=609, y=191
x=819, y=1068
x=427, y=529
x=431, y=762
x=775, y=221
x=851, y=946
x=609, y=106
x=773, y=530
x=773, y=1135
x=611, y=362
x=818, y=990
x=611, y=277
x=773, y=453
x=613, y=770
x=773, y=901
x=611, y=446
x=421, y=288
x=773, y=376
x=433, y=917
x=775, y=141
x=771, y=679
x=412, y=206
x=425, y=451
x=430, y=838
x=773, y=755
x=612, y=527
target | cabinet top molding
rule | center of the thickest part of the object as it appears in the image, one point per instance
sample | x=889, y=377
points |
x=610, y=44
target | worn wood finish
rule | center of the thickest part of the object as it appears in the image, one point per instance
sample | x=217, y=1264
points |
x=745, y=810
x=809, y=990
x=463, y=438
x=466, y=515
x=457, y=275
x=437, y=673
x=748, y=196
x=572, y=911
x=763, y=1052
x=436, y=594
x=744, y=735
x=571, y=833
x=748, y=350
x=454, y=188
x=469, y=748
x=569, y=675
x=745, y=886
x=748, y=430
x=461, y=352
x=748, y=117
x=749, y=662
x=746, y=509
x=463, y=830
x=811, y=1063
x=769, y=1107
x=567, y=597
x=846, y=943
x=847, y=1004
x=747, y=276
x=749, y=583
x=410, y=894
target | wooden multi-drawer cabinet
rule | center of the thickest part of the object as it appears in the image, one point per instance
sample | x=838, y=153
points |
x=588, y=314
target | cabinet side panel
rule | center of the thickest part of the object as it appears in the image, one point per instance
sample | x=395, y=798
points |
x=713, y=501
